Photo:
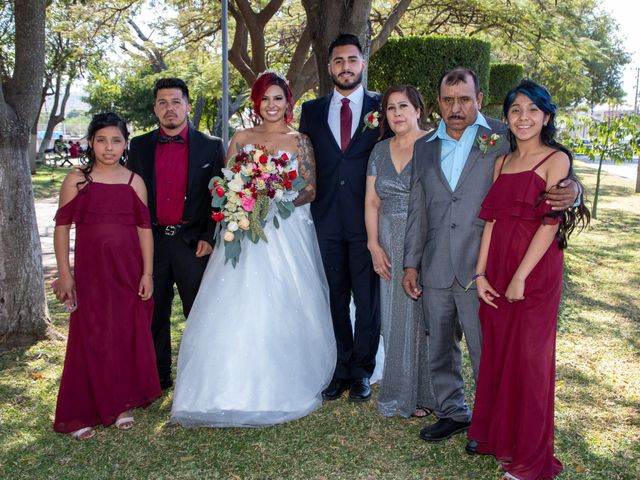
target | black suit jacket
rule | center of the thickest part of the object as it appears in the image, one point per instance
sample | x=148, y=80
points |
x=206, y=159
x=338, y=209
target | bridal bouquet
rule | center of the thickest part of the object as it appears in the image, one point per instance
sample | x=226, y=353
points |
x=255, y=186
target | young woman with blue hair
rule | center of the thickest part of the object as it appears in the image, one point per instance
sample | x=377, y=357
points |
x=519, y=279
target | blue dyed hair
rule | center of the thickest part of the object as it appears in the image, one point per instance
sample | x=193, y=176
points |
x=574, y=216
x=542, y=98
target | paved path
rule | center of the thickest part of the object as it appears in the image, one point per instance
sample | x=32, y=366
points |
x=627, y=171
x=45, y=211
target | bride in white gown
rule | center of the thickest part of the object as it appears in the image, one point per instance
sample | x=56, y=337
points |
x=259, y=348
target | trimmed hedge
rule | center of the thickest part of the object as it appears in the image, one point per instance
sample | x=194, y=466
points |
x=421, y=61
x=502, y=78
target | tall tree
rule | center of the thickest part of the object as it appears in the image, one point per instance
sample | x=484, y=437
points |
x=24, y=316
x=63, y=68
x=605, y=66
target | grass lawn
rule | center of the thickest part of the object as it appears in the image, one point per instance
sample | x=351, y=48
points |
x=597, y=391
x=47, y=180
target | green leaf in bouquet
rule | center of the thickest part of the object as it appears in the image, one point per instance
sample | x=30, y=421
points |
x=232, y=251
x=298, y=183
x=215, y=179
x=276, y=222
x=253, y=236
x=285, y=209
x=289, y=206
x=218, y=202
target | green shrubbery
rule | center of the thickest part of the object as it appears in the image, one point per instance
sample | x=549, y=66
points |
x=421, y=61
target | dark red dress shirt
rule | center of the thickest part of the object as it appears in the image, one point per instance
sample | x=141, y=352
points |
x=172, y=161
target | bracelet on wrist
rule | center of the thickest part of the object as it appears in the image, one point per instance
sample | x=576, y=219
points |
x=473, y=279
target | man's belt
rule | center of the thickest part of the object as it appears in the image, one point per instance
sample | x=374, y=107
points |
x=168, y=230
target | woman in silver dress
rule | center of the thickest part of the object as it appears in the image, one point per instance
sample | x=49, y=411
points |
x=405, y=389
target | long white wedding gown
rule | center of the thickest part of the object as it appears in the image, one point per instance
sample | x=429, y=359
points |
x=258, y=348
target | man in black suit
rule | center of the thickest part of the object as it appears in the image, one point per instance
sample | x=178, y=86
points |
x=342, y=145
x=176, y=162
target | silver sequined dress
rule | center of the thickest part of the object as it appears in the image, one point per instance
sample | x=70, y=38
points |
x=405, y=382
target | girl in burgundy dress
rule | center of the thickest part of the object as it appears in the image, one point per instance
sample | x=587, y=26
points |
x=109, y=367
x=519, y=278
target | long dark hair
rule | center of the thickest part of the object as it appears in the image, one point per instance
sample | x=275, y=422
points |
x=98, y=122
x=578, y=216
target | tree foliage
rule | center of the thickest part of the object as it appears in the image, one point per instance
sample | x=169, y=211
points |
x=421, y=61
x=616, y=138
x=554, y=41
x=559, y=44
x=502, y=78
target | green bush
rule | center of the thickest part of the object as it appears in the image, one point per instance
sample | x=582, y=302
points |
x=421, y=61
x=502, y=78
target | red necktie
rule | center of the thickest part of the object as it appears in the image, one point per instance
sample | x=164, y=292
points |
x=345, y=124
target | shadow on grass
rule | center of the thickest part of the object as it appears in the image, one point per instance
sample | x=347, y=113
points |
x=615, y=466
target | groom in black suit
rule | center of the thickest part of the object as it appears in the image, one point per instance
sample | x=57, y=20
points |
x=342, y=145
x=176, y=162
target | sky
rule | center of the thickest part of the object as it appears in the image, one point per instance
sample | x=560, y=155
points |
x=627, y=14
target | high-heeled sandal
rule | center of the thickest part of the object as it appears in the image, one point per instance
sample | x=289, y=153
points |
x=421, y=412
x=125, y=423
x=83, y=434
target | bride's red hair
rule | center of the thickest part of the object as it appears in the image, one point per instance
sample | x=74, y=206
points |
x=262, y=83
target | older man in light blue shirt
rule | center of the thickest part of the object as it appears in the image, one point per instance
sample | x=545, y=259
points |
x=454, y=153
x=450, y=177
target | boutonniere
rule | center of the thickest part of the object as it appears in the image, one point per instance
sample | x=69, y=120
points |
x=486, y=143
x=371, y=120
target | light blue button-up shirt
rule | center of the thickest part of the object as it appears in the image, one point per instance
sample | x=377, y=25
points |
x=454, y=153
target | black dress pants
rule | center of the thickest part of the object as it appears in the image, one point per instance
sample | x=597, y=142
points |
x=174, y=262
x=349, y=270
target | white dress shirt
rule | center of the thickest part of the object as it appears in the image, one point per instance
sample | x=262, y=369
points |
x=355, y=103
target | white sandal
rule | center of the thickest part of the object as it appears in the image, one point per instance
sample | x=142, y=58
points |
x=80, y=434
x=508, y=476
x=123, y=421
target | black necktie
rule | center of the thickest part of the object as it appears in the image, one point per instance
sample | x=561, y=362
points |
x=167, y=139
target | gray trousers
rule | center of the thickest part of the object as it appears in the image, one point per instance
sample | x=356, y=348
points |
x=450, y=313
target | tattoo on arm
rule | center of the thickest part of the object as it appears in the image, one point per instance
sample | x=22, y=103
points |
x=307, y=169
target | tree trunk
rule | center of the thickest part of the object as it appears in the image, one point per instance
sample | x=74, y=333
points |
x=24, y=317
x=594, y=210
x=234, y=106
x=33, y=154
x=330, y=18
x=198, y=109
x=638, y=177
x=57, y=114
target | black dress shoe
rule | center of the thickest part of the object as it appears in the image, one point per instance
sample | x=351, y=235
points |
x=472, y=447
x=166, y=383
x=360, y=390
x=335, y=389
x=443, y=429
